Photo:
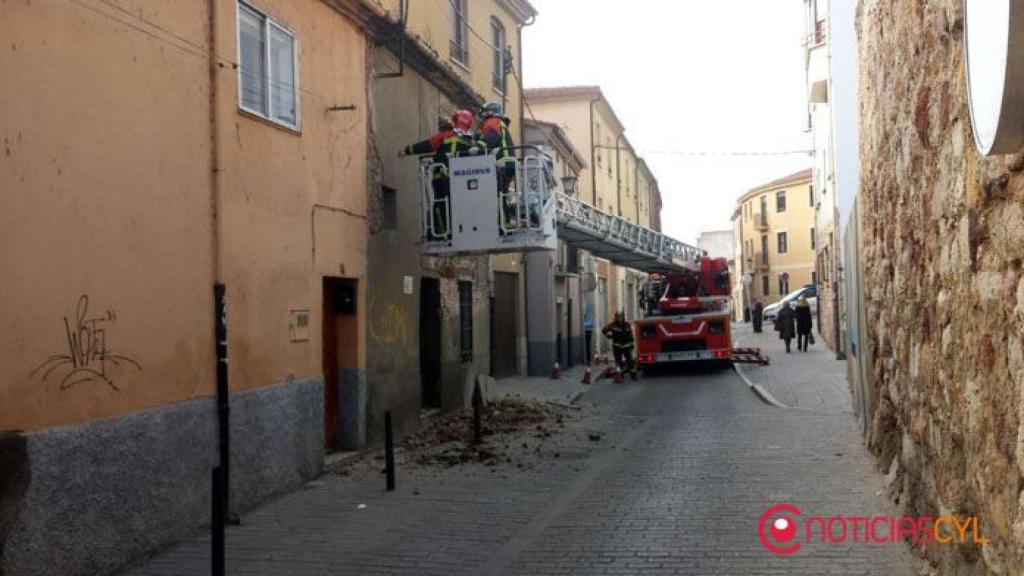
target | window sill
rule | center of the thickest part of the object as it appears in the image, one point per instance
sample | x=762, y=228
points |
x=295, y=131
x=460, y=64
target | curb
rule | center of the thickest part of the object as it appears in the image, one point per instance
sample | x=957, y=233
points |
x=756, y=388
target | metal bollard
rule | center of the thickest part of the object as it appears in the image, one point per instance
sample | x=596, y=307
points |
x=217, y=523
x=389, y=452
x=477, y=409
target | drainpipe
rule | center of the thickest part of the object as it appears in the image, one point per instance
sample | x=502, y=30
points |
x=618, y=177
x=636, y=190
x=223, y=401
x=593, y=146
x=836, y=283
x=522, y=255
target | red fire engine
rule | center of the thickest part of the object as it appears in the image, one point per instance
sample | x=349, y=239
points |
x=688, y=318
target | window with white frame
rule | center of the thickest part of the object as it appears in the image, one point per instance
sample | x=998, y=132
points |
x=498, y=55
x=267, y=75
x=459, y=45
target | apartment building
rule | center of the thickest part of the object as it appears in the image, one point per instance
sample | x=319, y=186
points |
x=831, y=71
x=612, y=181
x=215, y=181
x=554, y=288
x=436, y=322
x=775, y=229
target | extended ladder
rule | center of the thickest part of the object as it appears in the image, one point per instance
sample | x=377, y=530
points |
x=621, y=241
x=472, y=205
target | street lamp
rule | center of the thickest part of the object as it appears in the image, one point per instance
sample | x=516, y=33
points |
x=569, y=184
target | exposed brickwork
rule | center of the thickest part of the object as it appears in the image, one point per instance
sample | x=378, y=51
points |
x=943, y=240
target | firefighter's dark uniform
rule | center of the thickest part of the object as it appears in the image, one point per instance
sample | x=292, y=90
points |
x=442, y=144
x=497, y=137
x=495, y=134
x=621, y=334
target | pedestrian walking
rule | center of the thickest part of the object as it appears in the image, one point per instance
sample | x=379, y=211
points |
x=621, y=334
x=786, y=325
x=758, y=315
x=803, y=324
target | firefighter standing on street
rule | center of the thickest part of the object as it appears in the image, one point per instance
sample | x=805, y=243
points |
x=494, y=132
x=621, y=334
x=456, y=139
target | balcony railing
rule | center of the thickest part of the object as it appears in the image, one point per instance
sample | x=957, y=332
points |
x=818, y=36
x=760, y=221
x=760, y=261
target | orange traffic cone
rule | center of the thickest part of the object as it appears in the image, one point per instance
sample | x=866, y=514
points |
x=586, y=375
x=618, y=375
x=556, y=372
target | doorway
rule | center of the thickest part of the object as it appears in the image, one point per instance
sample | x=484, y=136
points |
x=430, y=342
x=506, y=336
x=340, y=354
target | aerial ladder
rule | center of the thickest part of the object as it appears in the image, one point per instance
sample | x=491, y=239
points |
x=476, y=216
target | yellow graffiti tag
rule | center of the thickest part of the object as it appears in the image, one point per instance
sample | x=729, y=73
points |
x=389, y=326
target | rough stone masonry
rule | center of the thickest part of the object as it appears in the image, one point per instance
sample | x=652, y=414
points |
x=943, y=240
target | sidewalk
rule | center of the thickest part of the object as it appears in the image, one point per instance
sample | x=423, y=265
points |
x=812, y=380
x=562, y=392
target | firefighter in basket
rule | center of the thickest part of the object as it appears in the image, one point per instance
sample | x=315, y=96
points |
x=621, y=334
x=455, y=138
x=494, y=132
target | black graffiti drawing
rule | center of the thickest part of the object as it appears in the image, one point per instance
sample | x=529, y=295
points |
x=88, y=358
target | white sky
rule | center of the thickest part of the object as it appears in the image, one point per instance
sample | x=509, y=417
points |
x=686, y=75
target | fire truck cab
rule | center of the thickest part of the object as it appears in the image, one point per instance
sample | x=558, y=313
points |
x=476, y=216
x=689, y=316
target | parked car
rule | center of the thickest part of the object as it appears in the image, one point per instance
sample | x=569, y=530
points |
x=809, y=291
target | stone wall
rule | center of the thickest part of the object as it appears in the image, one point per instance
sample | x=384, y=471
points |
x=943, y=238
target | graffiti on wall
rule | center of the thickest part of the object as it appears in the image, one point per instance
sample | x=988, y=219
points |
x=88, y=357
x=388, y=324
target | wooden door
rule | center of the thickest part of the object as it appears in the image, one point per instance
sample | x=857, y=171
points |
x=506, y=313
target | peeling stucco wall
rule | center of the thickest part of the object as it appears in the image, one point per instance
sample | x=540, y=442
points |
x=943, y=239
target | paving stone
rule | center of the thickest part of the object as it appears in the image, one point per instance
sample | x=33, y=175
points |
x=685, y=467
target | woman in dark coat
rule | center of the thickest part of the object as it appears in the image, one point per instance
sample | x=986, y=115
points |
x=785, y=324
x=758, y=315
x=803, y=324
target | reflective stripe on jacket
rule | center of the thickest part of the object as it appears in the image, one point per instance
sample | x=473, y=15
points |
x=495, y=133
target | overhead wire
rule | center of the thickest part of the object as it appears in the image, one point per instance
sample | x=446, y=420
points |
x=189, y=47
x=182, y=43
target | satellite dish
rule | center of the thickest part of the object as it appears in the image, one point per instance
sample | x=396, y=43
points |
x=995, y=73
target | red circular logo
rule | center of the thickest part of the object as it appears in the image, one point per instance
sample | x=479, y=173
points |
x=777, y=527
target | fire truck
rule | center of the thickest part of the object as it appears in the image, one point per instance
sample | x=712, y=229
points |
x=688, y=318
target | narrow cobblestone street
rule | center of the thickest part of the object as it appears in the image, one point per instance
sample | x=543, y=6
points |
x=685, y=465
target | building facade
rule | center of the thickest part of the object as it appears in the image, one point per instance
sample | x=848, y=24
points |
x=832, y=111
x=554, y=290
x=614, y=180
x=221, y=160
x=775, y=226
x=259, y=139
x=436, y=323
